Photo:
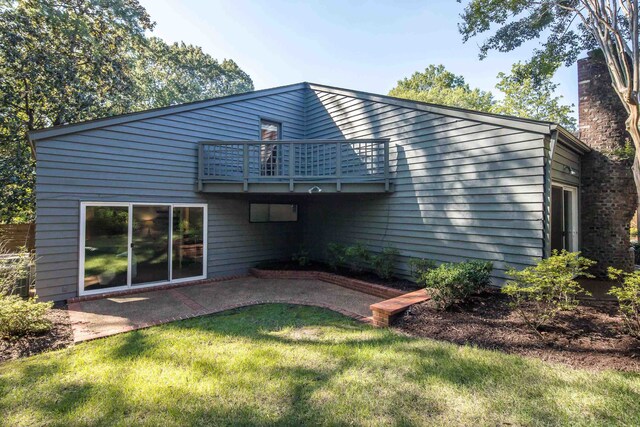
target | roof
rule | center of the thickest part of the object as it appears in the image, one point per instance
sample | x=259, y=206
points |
x=536, y=126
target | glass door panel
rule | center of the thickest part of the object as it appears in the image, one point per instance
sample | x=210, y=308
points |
x=106, y=247
x=188, y=242
x=150, y=244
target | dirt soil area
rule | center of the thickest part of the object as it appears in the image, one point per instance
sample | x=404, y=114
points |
x=394, y=282
x=59, y=336
x=593, y=337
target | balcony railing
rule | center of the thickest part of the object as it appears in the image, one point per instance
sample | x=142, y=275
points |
x=294, y=166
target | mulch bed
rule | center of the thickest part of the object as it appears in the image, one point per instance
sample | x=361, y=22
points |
x=59, y=336
x=592, y=337
x=366, y=276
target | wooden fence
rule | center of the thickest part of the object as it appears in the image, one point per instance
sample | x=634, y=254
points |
x=13, y=236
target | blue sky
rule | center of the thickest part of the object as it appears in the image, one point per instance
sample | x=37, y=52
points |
x=363, y=45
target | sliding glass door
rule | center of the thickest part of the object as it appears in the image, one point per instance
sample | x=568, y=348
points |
x=130, y=244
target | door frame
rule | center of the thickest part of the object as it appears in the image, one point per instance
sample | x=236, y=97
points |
x=574, y=233
x=129, y=205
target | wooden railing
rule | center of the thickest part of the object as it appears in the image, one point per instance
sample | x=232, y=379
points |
x=346, y=161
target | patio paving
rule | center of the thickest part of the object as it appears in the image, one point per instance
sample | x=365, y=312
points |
x=108, y=316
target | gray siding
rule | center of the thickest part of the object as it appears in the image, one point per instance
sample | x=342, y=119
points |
x=463, y=189
x=563, y=160
x=154, y=160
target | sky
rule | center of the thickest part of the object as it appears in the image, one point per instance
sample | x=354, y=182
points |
x=361, y=45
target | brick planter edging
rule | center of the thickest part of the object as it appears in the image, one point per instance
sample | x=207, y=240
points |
x=134, y=291
x=346, y=282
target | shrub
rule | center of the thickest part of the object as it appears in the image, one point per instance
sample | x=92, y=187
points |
x=336, y=256
x=454, y=282
x=636, y=252
x=23, y=316
x=384, y=261
x=540, y=292
x=419, y=266
x=301, y=257
x=628, y=295
x=14, y=270
x=357, y=257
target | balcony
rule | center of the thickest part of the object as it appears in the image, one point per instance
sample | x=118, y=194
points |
x=295, y=166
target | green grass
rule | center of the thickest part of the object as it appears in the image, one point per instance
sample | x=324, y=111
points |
x=292, y=365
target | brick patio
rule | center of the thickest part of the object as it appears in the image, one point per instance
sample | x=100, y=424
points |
x=98, y=318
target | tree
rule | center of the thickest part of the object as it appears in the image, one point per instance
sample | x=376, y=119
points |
x=565, y=28
x=532, y=97
x=525, y=95
x=67, y=61
x=436, y=85
x=179, y=73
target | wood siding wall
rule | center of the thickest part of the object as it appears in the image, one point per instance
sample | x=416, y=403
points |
x=463, y=189
x=155, y=160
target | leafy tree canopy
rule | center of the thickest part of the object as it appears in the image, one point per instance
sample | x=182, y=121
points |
x=67, y=61
x=523, y=95
x=436, y=85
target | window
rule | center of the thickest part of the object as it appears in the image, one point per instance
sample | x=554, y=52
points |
x=126, y=245
x=271, y=212
x=564, y=217
x=269, y=131
x=270, y=164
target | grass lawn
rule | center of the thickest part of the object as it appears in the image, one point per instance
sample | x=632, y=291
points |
x=292, y=365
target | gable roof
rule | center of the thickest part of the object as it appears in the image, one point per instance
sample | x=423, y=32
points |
x=537, y=126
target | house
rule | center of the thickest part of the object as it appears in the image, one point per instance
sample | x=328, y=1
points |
x=212, y=188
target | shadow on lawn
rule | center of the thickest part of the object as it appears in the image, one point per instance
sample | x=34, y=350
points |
x=328, y=369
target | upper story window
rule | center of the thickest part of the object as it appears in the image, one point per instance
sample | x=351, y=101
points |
x=270, y=131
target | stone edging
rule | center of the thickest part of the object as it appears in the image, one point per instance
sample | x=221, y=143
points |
x=206, y=312
x=134, y=291
x=346, y=282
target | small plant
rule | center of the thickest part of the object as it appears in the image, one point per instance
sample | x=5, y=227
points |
x=15, y=269
x=384, y=261
x=336, y=256
x=23, y=316
x=540, y=292
x=419, y=266
x=628, y=295
x=301, y=257
x=454, y=282
x=357, y=257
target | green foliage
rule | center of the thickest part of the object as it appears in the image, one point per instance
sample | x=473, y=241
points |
x=419, y=266
x=540, y=292
x=301, y=257
x=627, y=151
x=384, y=262
x=336, y=256
x=524, y=94
x=23, y=316
x=454, y=282
x=64, y=62
x=357, y=257
x=15, y=268
x=436, y=85
x=628, y=295
x=532, y=97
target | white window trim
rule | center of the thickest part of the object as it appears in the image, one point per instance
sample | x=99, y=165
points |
x=575, y=228
x=129, y=205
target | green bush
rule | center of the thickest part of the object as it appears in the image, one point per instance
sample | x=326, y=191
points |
x=23, y=316
x=540, y=292
x=419, y=266
x=301, y=257
x=357, y=257
x=336, y=256
x=454, y=282
x=14, y=269
x=628, y=295
x=384, y=262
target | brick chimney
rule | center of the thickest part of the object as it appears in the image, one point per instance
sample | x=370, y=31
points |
x=608, y=194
